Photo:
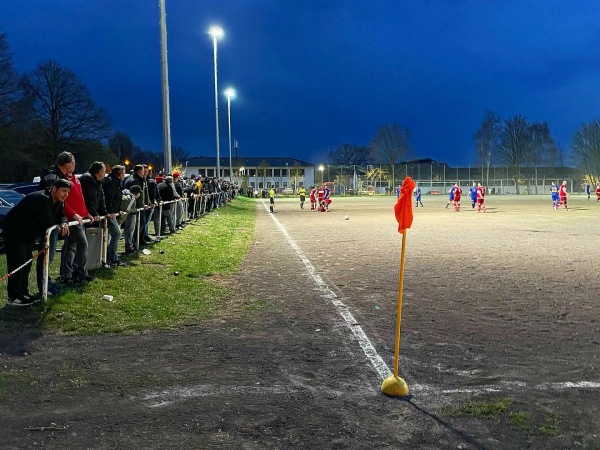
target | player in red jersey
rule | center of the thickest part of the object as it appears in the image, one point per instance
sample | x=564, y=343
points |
x=457, y=194
x=562, y=194
x=320, y=198
x=480, y=198
x=313, y=199
x=597, y=193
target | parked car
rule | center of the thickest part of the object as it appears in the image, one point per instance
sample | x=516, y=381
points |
x=8, y=199
x=288, y=191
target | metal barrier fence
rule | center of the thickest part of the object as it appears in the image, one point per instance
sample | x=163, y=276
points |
x=382, y=179
x=199, y=204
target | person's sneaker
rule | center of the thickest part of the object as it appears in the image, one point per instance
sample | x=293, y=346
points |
x=148, y=240
x=21, y=301
x=130, y=251
x=85, y=279
x=67, y=281
x=118, y=263
x=53, y=289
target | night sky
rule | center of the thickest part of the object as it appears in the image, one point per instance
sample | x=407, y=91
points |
x=311, y=75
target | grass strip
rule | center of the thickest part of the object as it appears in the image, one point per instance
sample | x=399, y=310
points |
x=178, y=284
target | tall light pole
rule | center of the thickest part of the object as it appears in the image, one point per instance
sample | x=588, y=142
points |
x=230, y=93
x=216, y=32
x=321, y=168
x=165, y=87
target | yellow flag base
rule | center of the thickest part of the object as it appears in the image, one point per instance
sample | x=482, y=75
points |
x=394, y=387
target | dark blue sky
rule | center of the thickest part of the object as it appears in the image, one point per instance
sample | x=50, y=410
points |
x=312, y=75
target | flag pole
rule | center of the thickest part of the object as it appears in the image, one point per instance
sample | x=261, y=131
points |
x=399, y=311
x=394, y=385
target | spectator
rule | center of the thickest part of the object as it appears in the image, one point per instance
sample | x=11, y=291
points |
x=23, y=224
x=167, y=194
x=131, y=196
x=154, y=197
x=76, y=245
x=63, y=166
x=179, y=205
x=113, y=196
x=139, y=178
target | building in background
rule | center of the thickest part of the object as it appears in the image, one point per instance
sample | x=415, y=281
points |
x=256, y=172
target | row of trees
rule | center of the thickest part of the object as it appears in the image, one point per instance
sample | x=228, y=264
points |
x=50, y=110
x=514, y=143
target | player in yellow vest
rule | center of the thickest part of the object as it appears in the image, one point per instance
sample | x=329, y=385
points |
x=302, y=194
x=272, y=199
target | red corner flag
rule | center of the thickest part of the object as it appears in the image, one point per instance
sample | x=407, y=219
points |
x=403, y=208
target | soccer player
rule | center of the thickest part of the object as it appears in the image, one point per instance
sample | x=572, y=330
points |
x=272, y=199
x=587, y=190
x=418, y=196
x=480, y=198
x=562, y=193
x=457, y=194
x=320, y=194
x=597, y=193
x=473, y=194
x=326, y=199
x=302, y=194
x=450, y=196
x=554, y=193
x=313, y=200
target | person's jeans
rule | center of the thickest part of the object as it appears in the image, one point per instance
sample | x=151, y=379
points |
x=114, y=234
x=130, y=237
x=178, y=213
x=16, y=254
x=147, y=216
x=39, y=265
x=74, y=249
x=156, y=218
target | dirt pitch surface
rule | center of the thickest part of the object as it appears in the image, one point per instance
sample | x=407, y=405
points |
x=500, y=342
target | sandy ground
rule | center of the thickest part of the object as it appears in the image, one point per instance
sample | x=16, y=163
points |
x=502, y=305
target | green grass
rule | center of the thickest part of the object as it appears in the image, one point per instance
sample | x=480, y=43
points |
x=483, y=409
x=519, y=420
x=15, y=379
x=148, y=294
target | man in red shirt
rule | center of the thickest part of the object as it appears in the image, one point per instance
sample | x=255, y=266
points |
x=562, y=194
x=76, y=245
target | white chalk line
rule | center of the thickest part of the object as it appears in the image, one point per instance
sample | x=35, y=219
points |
x=325, y=291
x=166, y=397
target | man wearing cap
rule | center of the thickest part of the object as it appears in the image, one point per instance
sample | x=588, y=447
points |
x=24, y=223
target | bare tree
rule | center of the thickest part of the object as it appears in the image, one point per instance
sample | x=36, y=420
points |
x=63, y=107
x=516, y=146
x=487, y=140
x=8, y=80
x=348, y=155
x=122, y=145
x=179, y=155
x=545, y=152
x=390, y=144
x=585, y=149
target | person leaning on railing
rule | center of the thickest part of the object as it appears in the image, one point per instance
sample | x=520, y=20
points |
x=113, y=196
x=25, y=223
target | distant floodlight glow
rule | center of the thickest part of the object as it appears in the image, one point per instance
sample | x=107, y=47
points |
x=216, y=32
x=230, y=92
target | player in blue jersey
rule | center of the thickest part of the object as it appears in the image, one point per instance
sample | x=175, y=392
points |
x=473, y=194
x=450, y=196
x=554, y=193
x=418, y=196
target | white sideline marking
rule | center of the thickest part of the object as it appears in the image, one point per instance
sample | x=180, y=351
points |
x=326, y=293
x=507, y=386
